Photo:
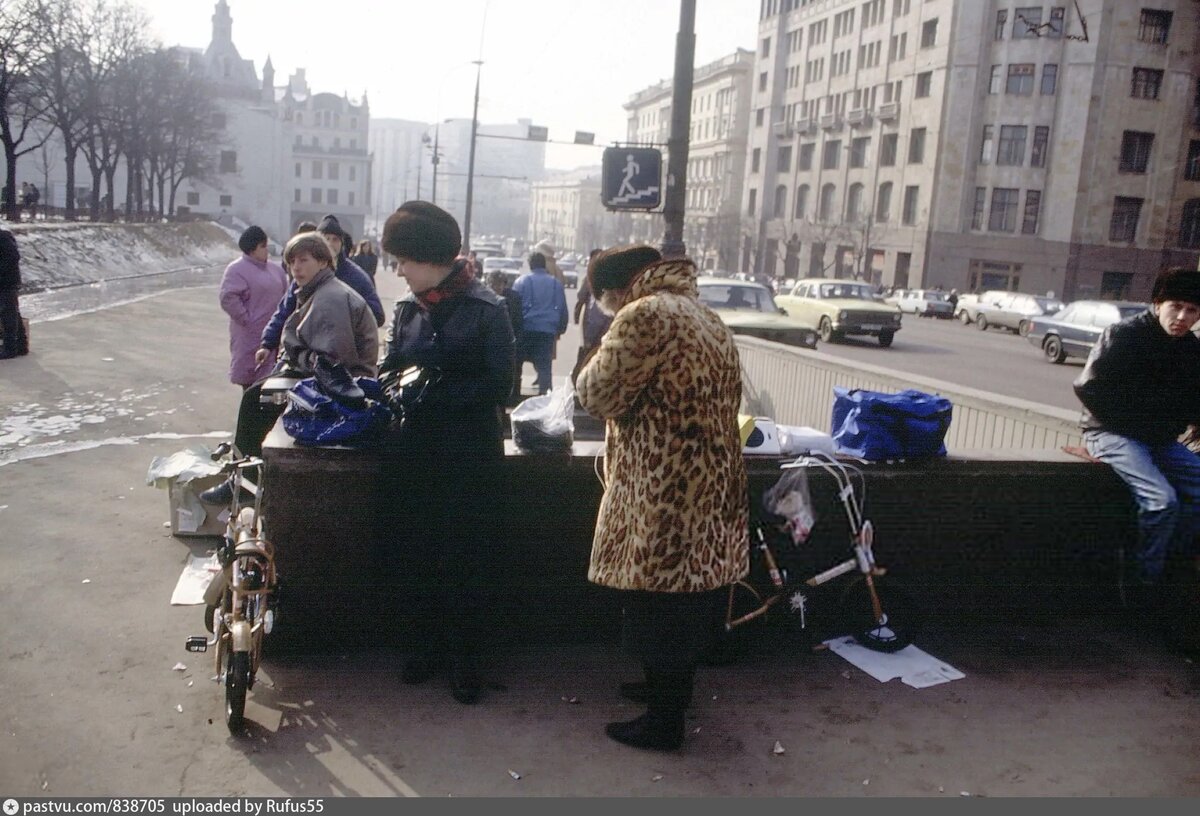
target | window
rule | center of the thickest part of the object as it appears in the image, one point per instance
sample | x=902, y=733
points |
x=1011, y=151
x=980, y=206
x=924, y=83
x=996, y=81
x=1155, y=26
x=1146, y=82
x=1049, y=79
x=784, y=160
x=858, y=151
x=827, y=194
x=298, y=169
x=1004, y=210
x=1135, y=151
x=804, y=162
x=1126, y=212
x=296, y=195
x=316, y=195
x=753, y=202
x=1191, y=167
x=1041, y=139
x=1054, y=29
x=318, y=169
x=1001, y=22
x=353, y=174
x=762, y=81
x=193, y=199
x=900, y=7
x=916, y=146
x=225, y=201
x=854, y=202
x=929, y=33
x=351, y=201
x=883, y=203
x=801, y=210
x=755, y=159
x=333, y=174
x=830, y=155
x=331, y=197
x=1189, y=225
x=1033, y=205
x=888, y=146
x=1020, y=79
x=986, y=145
x=780, y=210
x=1115, y=285
x=228, y=161
x=911, y=199
x=766, y=47
x=758, y=117
x=1028, y=23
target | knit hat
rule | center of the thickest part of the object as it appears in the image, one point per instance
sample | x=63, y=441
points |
x=617, y=267
x=331, y=226
x=1177, y=284
x=422, y=232
x=252, y=239
x=545, y=247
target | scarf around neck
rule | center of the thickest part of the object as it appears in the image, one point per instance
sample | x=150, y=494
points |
x=458, y=281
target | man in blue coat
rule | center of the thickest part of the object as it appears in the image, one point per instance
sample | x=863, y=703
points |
x=543, y=317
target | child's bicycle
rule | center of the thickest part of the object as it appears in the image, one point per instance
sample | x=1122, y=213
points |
x=780, y=576
x=241, y=602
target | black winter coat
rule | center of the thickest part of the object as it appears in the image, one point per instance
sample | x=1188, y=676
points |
x=10, y=261
x=1140, y=382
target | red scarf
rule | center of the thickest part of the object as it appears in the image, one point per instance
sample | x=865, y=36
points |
x=458, y=281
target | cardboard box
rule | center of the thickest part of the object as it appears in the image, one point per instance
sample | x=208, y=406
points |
x=189, y=515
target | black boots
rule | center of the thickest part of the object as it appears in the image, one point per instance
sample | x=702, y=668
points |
x=465, y=683
x=661, y=727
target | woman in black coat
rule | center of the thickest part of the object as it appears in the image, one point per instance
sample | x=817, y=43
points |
x=445, y=456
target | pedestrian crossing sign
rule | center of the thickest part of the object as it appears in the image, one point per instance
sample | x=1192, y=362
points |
x=632, y=178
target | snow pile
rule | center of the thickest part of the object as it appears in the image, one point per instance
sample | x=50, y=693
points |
x=56, y=255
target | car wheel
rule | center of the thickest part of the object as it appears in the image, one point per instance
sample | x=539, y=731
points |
x=981, y=322
x=1052, y=347
x=964, y=317
x=1023, y=328
x=825, y=330
x=886, y=338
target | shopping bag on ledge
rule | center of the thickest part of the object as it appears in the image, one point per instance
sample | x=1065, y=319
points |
x=876, y=426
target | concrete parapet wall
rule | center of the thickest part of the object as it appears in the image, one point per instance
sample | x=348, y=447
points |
x=795, y=387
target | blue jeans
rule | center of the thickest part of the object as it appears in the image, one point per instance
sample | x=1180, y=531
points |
x=1165, y=481
x=538, y=348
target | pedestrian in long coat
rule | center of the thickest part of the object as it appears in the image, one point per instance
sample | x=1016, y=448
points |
x=250, y=292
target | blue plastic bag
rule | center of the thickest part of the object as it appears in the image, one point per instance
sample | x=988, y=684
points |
x=314, y=418
x=875, y=426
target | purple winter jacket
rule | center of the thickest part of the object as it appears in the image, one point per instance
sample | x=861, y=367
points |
x=250, y=291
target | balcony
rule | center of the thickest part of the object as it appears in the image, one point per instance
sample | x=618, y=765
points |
x=831, y=121
x=859, y=118
x=806, y=125
x=888, y=112
x=783, y=130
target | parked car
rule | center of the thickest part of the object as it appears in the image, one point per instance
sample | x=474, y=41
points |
x=510, y=266
x=1075, y=329
x=922, y=302
x=1014, y=310
x=749, y=308
x=841, y=308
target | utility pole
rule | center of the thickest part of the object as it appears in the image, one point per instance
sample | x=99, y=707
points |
x=471, y=163
x=437, y=130
x=681, y=125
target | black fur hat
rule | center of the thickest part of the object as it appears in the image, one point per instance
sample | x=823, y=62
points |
x=423, y=232
x=1177, y=284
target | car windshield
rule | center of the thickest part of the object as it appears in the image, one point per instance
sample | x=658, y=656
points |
x=1048, y=305
x=941, y=296
x=856, y=291
x=732, y=296
x=501, y=263
x=1130, y=311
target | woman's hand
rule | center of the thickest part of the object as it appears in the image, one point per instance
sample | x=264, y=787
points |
x=260, y=356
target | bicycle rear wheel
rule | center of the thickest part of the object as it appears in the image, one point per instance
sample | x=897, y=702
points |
x=895, y=629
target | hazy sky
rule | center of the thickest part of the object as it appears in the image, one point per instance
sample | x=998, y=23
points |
x=565, y=64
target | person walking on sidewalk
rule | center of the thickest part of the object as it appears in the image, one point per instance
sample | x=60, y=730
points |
x=251, y=288
x=544, y=319
x=595, y=321
x=1139, y=393
x=16, y=343
x=672, y=534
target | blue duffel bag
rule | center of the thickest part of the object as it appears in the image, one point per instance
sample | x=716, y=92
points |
x=315, y=418
x=876, y=426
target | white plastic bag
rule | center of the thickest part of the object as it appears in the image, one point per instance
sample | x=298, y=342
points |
x=789, y=498
x=546, y=424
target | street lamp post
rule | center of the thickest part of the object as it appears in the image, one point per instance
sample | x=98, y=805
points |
x=471, y=163
x=681, y=122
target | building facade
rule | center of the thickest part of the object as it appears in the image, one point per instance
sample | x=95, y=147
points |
x=720, y=119
x=975, y=145
x=399, y=168
x=566, y=210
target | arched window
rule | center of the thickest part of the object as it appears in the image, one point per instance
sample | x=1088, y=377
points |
x=854, y=202
x=883, y=203
x=1189, y=226
x=801, y=201
x=826, y=209
x=780, y=201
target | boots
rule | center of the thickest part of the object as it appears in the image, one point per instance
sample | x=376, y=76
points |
x=639, y=692
x=661, y=727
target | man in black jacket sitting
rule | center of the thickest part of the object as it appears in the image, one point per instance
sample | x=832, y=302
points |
x=1140, y=392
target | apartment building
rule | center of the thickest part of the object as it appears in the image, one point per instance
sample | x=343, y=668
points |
x=976, y=144
x=566, y=210
x=720, y=119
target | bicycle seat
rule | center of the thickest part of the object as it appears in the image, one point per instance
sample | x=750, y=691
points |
x=251, y=547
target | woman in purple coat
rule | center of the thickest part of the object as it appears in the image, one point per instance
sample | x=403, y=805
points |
x=250, y=291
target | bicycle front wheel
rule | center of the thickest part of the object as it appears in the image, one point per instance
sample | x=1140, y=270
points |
x=237, y=681
x=891, y=631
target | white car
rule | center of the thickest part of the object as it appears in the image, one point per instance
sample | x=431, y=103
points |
x=511, y=267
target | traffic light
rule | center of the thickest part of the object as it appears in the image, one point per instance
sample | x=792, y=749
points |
x=584, y=138
x=537, y=133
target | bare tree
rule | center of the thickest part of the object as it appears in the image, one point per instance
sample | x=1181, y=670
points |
x=21, y=107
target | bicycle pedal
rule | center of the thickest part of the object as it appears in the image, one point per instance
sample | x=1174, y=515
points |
x=197, y=643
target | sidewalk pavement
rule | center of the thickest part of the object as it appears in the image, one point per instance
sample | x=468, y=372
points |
x=92, y=706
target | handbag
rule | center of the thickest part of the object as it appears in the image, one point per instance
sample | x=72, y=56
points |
x=875, y=426
x=313, y=417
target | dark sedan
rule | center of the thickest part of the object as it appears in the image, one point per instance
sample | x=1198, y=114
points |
x=1075, y=329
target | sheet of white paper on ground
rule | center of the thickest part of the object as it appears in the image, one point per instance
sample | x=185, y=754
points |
x=914, y=667
x=196, y=576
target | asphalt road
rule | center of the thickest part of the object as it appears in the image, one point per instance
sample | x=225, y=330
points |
x=995, y=360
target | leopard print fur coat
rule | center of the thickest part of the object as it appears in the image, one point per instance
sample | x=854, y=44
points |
x=667, y=381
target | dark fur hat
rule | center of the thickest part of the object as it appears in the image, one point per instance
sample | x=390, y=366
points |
x=422, y=232
x=1177, y=284
x=617, y=267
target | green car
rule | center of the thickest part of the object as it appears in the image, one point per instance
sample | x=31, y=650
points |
x=840, y=308
x=749, y=308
